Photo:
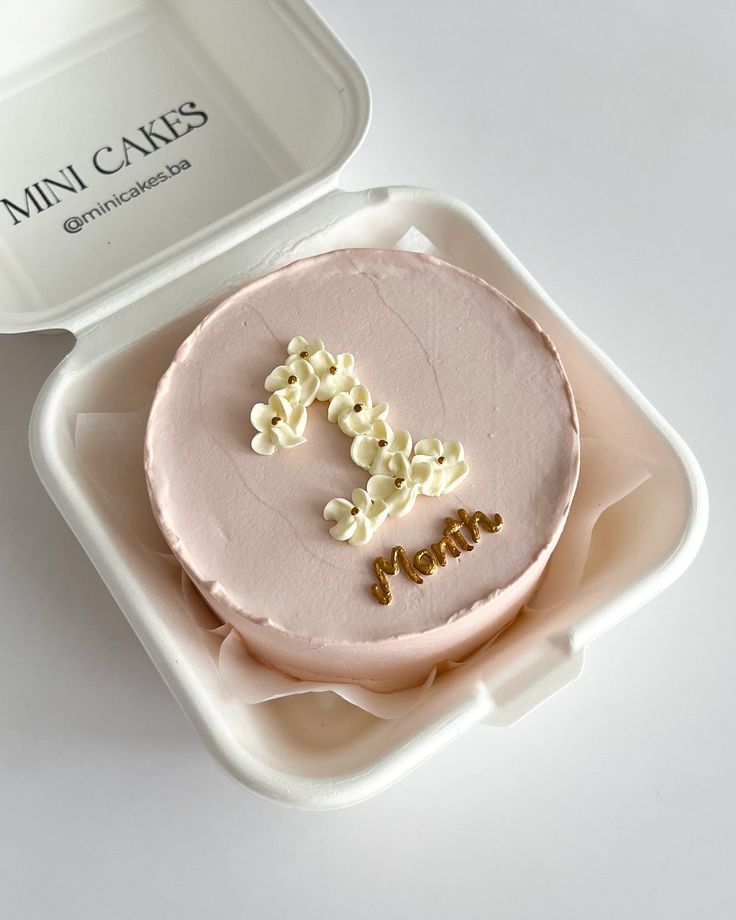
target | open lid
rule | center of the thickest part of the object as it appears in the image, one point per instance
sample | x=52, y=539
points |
x=140, y=137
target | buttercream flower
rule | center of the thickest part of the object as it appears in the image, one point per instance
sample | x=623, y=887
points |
x=299, y=347
x=448, y=465
x=297, y=382
x=278, y=423
x=336, y=374
x=373, y=452
x=399, y=489
x=355, y=413
x=355, y=521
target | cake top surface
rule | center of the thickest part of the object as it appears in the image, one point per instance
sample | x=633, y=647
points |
x=454, y=360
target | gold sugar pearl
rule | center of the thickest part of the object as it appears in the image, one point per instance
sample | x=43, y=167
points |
x=383, y=443
x=303, y=354
x=358, y=407
x=333, y=369
x=398, y=482
x=275, y=420
x=354, y=510
x=292, y=378
x=440, y=459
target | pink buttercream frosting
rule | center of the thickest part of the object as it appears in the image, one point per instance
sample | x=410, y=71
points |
x=455, y=360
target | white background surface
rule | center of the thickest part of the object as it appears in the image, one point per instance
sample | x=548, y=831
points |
x=598, y=140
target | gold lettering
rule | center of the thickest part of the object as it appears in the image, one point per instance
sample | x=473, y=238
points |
x=472, y=521
x=424, y=562
x=427, y=560
x=382, y=567
x=452, y=529
x=442, y=547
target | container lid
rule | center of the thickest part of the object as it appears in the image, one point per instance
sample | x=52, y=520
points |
x=142, y=137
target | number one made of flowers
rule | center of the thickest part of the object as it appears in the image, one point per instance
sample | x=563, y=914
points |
x=399, y=470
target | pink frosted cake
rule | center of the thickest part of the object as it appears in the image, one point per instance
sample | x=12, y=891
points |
x=363, y=461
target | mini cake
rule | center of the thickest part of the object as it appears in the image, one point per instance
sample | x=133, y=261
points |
x=363, y=461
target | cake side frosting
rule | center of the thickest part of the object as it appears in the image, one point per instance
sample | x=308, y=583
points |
x=456, y=361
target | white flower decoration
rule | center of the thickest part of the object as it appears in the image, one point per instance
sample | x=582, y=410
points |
x=278, y=423
x=373, y=452
x=355, y=413
x=448, y=465
x=297, y=382
x=397, y=476
x=405, y=480
x=299, y=347
x=355, y=521
x=336, y=374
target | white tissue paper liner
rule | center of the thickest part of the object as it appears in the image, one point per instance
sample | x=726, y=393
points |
x=109, y=447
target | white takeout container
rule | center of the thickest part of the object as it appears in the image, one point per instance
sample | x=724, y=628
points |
x=286, y=107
